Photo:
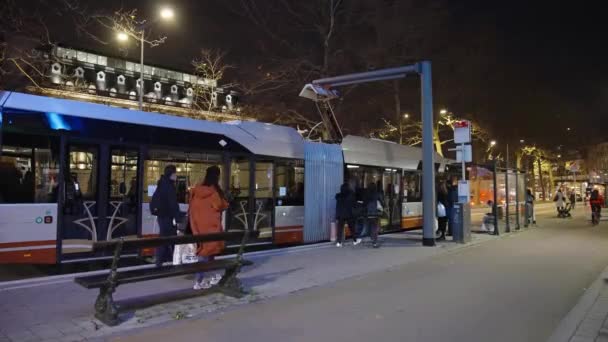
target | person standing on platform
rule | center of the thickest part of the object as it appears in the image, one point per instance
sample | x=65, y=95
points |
x=452, y=198
x=166, y=208
x=207, y=201
x=374, y=204
x=442, y=218
x=345, y=204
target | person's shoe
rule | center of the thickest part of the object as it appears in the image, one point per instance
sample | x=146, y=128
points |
x=356, y=242
x=204, y=284
x=441, y=237
x=338, y=244
x=215, y=279
x=375, y=245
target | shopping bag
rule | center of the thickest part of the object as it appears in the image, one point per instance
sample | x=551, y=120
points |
x=185, y=254
x=189, y=254
x=441, y=212
x=177, y=254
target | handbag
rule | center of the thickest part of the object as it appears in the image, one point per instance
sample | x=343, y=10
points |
x=441, y=210
x=379, y=206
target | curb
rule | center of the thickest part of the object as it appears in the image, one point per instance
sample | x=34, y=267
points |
x=575, y=317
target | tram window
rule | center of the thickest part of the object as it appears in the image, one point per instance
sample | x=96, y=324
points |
x=29, y=167
x=239, y=178
x=289, y=189
x=191, y=168
x=412, y=187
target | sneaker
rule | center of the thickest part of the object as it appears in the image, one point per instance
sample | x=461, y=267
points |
x=338, y=244
x=356, y=242
x=215, y=279
x=376, y=245
x=205, y=284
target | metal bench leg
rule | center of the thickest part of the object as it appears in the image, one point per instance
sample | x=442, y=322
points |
x=230, y=285
x=105, y=309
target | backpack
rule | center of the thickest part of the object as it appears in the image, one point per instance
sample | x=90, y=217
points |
x=155, y=202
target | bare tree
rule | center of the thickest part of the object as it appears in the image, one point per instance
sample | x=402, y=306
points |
x=210, y=68
x=409, y=132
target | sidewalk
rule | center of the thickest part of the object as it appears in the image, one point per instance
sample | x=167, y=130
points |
x=60, y=310
x=588, y=320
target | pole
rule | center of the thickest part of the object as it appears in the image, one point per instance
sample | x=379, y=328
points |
x=141, y=72
x=507, y=226
x=495, y=204
x=517, y=209
x=428, y=156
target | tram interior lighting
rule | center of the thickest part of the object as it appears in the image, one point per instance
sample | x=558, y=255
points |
x=352, y=166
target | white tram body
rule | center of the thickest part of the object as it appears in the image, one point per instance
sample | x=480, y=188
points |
x=72, y=173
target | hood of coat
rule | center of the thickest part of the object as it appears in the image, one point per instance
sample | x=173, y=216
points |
x=203, y=191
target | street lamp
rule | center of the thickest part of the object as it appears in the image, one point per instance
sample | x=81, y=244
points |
x=122, y=36
x=443, y=111
x=406, y=116
x=166, y=14
x=492, y=143
x=568, y=129
x=521, y=141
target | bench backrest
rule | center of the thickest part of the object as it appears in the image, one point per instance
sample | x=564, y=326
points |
x=172, y=240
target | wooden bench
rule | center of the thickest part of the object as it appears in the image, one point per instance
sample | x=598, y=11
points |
x=106, y=309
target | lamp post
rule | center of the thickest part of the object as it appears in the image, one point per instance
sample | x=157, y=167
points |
x=164, y=14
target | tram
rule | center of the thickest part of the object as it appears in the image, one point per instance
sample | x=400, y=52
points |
x=73, y=173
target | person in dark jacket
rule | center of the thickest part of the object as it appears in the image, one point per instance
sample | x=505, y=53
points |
x=452, y=198
x=168, y=212
x=372, y=201
x=442, y=218
x=345, y=204
x=572, y=198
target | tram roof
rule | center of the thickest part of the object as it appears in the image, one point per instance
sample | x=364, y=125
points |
x=365, y=151
x=259, y=138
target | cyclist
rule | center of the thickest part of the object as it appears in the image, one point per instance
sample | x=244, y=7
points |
x=596, y=201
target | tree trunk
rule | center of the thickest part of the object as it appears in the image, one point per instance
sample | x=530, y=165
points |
x=398, y=115
x=540, y=175
x=551, y=180
x=437, y=141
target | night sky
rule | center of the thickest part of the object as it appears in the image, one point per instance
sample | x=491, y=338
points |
x=523, y=70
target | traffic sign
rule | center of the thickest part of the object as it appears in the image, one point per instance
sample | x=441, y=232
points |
x=462, y=132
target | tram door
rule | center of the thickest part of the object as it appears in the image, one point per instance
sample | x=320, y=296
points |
x=100, y=196
x=252, y=197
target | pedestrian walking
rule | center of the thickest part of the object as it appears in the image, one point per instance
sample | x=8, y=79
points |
x=442, y=218
x=560, y=201
x=207, y=201
x=530, y=216
x=345, y=204
x=572, y=198
x=164, y=205
x=374, y=205
x=452, y=187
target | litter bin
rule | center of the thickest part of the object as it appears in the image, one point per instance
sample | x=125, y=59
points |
x=461, y=228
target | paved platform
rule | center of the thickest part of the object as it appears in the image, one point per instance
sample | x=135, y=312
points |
x=515, y=288
x=57, y=309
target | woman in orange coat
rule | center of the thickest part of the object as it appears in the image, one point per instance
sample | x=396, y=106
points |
x=207, y=202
